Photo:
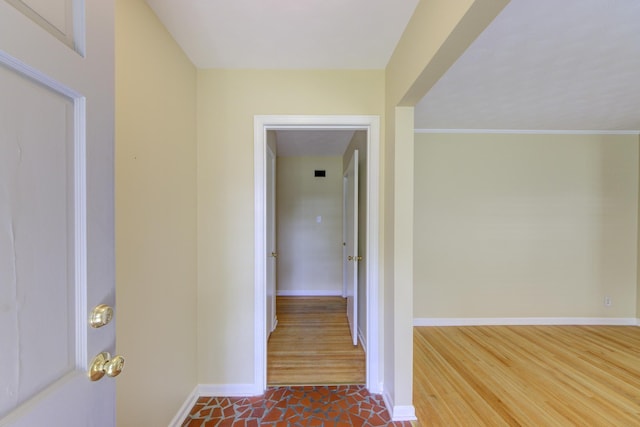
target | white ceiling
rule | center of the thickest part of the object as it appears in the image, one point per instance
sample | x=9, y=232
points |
x=312, y=34
x=541, y=65
x=545, y=65
x=322, y=143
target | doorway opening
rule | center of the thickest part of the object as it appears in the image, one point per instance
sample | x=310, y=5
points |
x=319, y=337
x=263, y=124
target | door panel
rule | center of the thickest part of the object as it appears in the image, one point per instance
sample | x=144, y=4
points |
x=37, y=243
x=57, y=17
x=56, y=213
x=351, y=262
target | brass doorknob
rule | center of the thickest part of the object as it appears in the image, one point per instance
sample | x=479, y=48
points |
x=103, y=364
x=100, y=316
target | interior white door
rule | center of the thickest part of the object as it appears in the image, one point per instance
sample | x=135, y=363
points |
x=351, y=263
x=272, y=255
x=56, y=210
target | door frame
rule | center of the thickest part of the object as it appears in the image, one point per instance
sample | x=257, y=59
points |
x=344, y=237
x=350, y=243
x=371, y=124
x=272, y=321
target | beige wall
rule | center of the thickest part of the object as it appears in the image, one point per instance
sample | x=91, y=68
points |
x=359, y=142
x=155, y=196
x=309, y=252
x=155, y=219
x=525, y=225
x=227, y=103
x=437, y=34
x=227, y=100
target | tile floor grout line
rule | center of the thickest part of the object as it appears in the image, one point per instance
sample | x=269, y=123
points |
x=345, y=405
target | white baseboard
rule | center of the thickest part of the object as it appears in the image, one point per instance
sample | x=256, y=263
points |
x=212, y=390
x=185, y=409
x=309, y=293
x=399, y=412
x=362, y=339
x=508, y=321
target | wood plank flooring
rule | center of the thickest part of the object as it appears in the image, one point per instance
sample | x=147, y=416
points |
x=527, y=376
x=312, y=344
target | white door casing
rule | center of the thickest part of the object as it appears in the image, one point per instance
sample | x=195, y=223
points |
x=272, y=255
x=370, y=124
x=56, y=210
x=351, y=225
x=345, y=278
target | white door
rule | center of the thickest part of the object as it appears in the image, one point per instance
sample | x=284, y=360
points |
x=351, y=262
x=272, y=255
x=56, y=210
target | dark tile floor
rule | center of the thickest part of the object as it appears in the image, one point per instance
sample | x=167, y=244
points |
x=294, y=406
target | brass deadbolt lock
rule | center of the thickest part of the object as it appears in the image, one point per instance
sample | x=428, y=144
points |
x=100, y=316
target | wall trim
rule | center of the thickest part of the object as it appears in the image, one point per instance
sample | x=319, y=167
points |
x=531, y=131
x=185, y=409
x=212, y=390
x=508, y=321
x=399, y=412
x=374, y=318
x=309, y=293
x=363, y=341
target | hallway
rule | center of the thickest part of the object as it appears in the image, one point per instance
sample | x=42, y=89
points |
x=312, y=344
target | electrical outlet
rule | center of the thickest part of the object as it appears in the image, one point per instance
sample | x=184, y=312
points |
x=607, y=301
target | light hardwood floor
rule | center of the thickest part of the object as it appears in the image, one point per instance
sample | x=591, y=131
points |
x=312, y=344
x=527, y=376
